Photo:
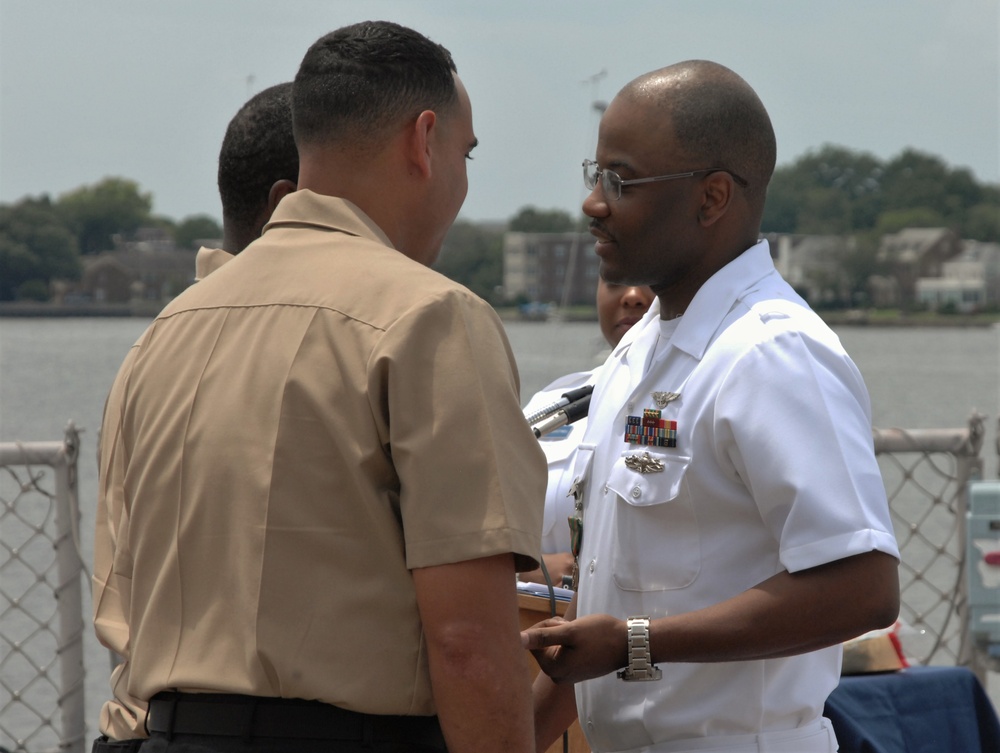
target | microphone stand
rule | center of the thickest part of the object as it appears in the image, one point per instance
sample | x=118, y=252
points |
x=571, y=412
x=566, y=399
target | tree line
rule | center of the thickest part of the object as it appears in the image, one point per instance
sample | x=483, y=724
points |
x=42, y=239
x=832, y=191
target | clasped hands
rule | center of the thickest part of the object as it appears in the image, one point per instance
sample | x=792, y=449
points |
x=570, y=651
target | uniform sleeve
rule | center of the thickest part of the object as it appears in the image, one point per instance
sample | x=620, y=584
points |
x=123, y=717
x=796, y=420
x=472, y=477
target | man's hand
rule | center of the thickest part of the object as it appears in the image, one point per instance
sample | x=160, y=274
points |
x=570, y=651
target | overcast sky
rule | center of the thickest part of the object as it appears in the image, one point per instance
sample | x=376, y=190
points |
x=143, y=89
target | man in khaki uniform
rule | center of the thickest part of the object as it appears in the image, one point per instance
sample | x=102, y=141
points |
x=316, y=480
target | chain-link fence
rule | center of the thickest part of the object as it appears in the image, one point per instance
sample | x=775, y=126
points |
x=926, y=474
x=41, y=607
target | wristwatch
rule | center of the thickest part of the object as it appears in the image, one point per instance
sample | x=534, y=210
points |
x=640, y=666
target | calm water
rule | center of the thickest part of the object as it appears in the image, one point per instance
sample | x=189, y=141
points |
x=56, y=370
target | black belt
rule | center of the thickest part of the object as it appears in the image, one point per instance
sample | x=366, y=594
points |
x=289, y=718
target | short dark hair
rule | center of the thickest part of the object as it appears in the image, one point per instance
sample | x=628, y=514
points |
x=257, y=151
x=360, y=81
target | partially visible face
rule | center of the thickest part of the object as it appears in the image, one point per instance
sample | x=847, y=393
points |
x=453, y=140
x=619, y=307
x=646, y=237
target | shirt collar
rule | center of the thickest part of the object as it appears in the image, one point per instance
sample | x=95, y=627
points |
x=305, y=207
x=208, y=260
x=711, y=304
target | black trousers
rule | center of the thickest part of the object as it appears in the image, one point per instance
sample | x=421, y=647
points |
x=233, y=723
x=159, y=743
x=104, y=745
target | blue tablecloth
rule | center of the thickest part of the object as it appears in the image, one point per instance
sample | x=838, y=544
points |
x=915, y=710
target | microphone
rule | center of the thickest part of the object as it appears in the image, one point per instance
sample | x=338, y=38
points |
x=566, y=399
x=573, y=411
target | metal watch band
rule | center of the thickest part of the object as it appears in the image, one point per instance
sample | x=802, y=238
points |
x=640, y=666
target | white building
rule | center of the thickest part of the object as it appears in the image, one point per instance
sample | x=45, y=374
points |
x=969, y=282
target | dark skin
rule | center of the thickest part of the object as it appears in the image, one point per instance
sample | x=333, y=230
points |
x=236, y=237
x=673, y=236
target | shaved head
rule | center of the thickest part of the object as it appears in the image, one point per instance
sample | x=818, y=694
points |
x=716, y=119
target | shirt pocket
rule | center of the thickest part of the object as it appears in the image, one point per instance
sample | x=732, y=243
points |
x=658, y=542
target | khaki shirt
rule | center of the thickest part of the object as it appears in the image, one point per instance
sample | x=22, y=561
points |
x=288, y=439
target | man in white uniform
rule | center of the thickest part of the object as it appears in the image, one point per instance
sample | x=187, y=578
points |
x=735, y=525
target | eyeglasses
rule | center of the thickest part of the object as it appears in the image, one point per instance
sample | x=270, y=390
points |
x=611, y=182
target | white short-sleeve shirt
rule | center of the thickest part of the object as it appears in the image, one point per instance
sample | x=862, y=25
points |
x=773, y=469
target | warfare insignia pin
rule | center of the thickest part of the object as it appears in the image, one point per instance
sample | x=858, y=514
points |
x=644, y=463
x=662, y=399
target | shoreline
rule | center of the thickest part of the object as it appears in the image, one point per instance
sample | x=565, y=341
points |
x=23, y=310
x=832, y=318
x=149, y=310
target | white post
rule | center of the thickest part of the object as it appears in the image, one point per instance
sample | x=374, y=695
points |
x=68, y=592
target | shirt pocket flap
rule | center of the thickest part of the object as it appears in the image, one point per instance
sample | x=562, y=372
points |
x=643, y=479
x=581, y=466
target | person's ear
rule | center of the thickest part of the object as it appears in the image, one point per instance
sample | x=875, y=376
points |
x=419, y=139
x=718, y=195
x=279, y=190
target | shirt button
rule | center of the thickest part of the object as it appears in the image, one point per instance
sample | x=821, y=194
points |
x=593, y=565
x=590, y=725
x=636, y=492
x=606, y=489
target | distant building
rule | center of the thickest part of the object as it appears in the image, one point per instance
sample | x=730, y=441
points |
x=915, y=253
x=814, y=265
x=146, y=267
x=144, y=239
x=970, y=282
x=931, y=266
x=559, y=268
x=884, y=291
x=123, y=276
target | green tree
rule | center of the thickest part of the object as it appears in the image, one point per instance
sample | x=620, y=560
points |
x=96, y=213
x=982, y=222
x=195, y=228
x=472, y=254
x=915, y=180
x=824, y=211
x=533, y=220
x=860, y=263
x=897, y=219
x=35, y=247
x=781, y=211
x=833, y=190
